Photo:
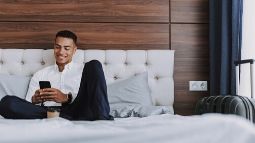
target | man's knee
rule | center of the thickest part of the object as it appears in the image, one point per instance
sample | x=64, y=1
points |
x=8, y=101
x=94, y=63
x=94, y=66
x=7, y=106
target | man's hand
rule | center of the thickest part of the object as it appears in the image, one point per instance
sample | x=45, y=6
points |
x=37, y=97
x=49, y=94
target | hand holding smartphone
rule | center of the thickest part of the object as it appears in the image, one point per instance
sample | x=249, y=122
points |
x=43, y=85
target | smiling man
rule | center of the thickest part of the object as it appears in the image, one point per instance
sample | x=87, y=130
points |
x=78, y=92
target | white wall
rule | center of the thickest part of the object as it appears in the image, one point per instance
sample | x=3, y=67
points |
x=248, y=44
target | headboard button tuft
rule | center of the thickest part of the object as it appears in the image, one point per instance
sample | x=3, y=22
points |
x=42, y=63
x=115, y=77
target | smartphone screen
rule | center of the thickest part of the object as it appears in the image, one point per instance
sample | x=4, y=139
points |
x=44, y=84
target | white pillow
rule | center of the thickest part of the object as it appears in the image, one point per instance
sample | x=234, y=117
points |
x=14, y=85
x=132, y=90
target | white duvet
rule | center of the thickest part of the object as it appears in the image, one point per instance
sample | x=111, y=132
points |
x=166, y=128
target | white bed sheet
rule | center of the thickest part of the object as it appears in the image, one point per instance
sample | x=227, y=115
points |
x=166, y=128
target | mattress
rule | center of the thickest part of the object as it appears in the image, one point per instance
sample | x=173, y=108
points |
x=165, y=128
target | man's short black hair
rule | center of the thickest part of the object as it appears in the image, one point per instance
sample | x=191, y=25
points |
x=67, y=34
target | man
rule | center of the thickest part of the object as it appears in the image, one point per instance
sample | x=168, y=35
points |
x=79, y=93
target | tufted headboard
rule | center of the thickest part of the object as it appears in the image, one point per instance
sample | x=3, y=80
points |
x=117, y=64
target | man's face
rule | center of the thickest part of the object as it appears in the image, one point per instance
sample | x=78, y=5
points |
x=64, y=49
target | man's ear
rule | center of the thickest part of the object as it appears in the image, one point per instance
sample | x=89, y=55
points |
x=75, y=48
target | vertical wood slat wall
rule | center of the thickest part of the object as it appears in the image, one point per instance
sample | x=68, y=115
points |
x=181, y=25
x=189, y=37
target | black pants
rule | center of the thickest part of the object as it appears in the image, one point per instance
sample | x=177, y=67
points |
x=91, y=102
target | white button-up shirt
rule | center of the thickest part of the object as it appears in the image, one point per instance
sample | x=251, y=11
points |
x=66, y=81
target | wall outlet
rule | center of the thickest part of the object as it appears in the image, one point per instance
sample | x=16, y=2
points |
x=197, y=85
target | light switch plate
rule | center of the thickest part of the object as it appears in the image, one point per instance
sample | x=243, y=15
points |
x=197, y=85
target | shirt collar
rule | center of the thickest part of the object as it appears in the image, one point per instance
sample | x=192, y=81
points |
x=67, y=66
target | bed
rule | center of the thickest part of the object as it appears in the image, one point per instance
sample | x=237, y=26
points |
x=138, y=120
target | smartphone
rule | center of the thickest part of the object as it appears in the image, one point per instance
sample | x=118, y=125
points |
x=44, y=84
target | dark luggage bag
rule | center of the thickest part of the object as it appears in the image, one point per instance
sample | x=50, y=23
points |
x=230, y=104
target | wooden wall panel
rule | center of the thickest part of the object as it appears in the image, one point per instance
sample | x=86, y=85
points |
x=189, y=11
x=189, y=37
x=91, y=35
x=85, y=10
x=191, y=63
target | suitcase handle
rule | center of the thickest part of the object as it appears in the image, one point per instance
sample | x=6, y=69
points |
x=237, y=63
x=240, y=62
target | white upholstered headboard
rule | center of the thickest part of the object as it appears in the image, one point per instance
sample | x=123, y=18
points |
x=117, y=64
